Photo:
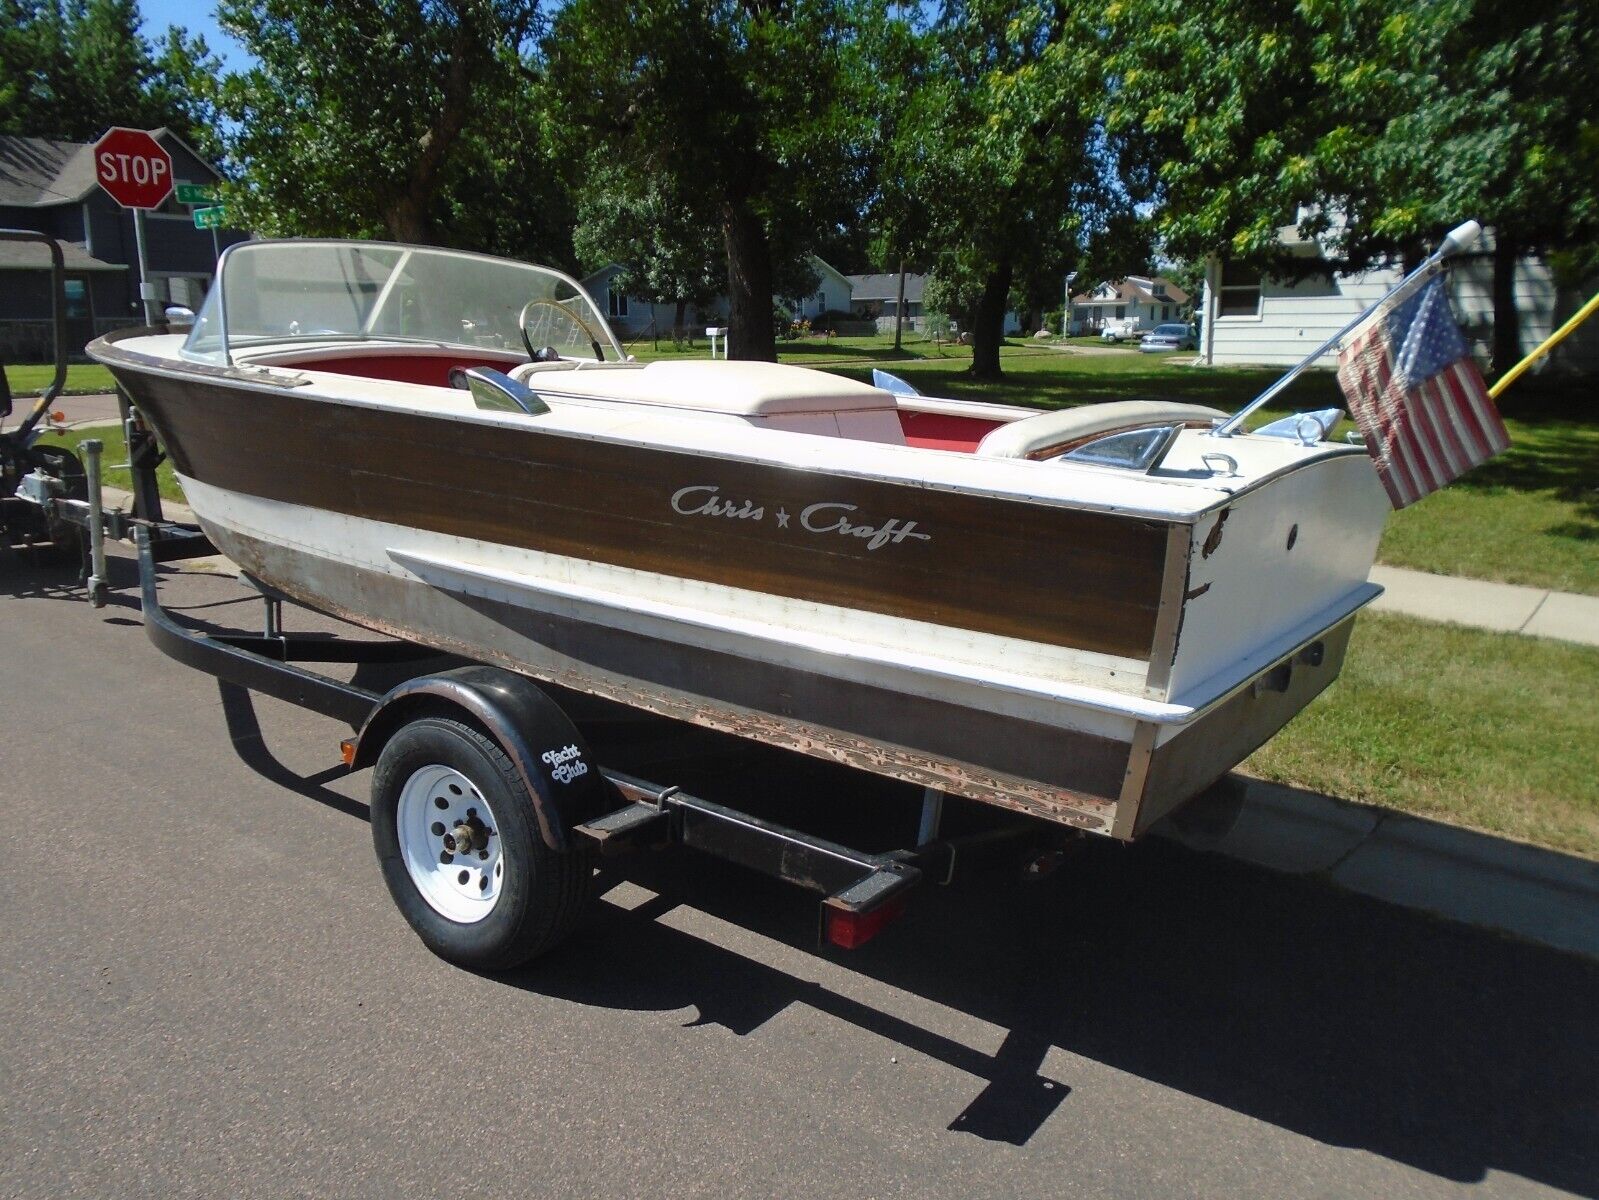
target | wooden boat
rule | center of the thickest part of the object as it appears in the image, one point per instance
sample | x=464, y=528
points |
x=1087, y=615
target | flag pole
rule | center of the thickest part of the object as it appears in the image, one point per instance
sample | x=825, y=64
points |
x=1549, y=343
x=1457, y=240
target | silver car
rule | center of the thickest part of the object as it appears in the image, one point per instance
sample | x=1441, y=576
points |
x=1163, y=338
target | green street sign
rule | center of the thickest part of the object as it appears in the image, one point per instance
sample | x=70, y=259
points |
x=196, y=193
x=210, y=218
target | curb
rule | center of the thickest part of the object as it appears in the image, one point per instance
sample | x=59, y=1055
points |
x=1476, y=878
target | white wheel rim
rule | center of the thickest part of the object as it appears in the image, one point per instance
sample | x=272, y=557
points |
x=436, y=804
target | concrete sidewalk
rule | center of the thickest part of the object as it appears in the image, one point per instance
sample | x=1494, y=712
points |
x=1476, y=878
x=1502, y=607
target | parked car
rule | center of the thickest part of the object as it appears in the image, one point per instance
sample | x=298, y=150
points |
x=1169, y=337
x=1119, y=331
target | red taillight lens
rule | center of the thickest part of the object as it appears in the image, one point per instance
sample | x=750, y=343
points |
x=848, y=930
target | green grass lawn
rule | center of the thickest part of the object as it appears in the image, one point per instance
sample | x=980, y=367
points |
x=113, y=459
x=1490, y=730
x=83, y=379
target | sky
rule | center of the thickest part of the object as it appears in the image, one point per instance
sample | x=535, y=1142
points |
x=197, y=16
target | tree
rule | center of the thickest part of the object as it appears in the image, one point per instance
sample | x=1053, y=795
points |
x=1003, y=145
x=668, y=255
x=1380, y=124
x=357, y=119
x=753, y=114
x=73, y=70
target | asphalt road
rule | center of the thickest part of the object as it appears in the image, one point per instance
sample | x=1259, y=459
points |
x=205, y=991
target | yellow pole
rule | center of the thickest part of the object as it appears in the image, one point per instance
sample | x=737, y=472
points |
x=1549, y=343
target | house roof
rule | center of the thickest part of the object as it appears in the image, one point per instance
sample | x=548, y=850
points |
x=1135, y=289
x=32, y=256
x=886, y=287
x=38, y=172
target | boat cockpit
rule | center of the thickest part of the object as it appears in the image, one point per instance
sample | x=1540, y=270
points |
x=433, y=317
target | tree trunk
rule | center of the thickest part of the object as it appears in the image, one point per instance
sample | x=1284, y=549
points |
x=407, y=217
x=749, y=285
x=1507, y=320
x=899, y=307
x=988, y=321
x=679, y=317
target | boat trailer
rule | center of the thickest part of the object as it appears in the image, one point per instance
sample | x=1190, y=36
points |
x=861, y=891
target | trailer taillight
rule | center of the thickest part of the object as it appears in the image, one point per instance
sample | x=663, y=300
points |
x=347, y=751
x=847, y=928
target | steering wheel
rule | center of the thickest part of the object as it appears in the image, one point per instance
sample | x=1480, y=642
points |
x=549, y=353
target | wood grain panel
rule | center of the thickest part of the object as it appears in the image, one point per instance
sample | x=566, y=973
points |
x=1001, y=566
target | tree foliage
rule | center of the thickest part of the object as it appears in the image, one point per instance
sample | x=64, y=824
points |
x=668, y=254
x=392, y=118
x=1375, y=124
x=1004, y=149
x=72, y=70
x=753, y=115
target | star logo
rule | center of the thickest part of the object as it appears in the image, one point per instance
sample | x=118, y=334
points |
x=782, y=518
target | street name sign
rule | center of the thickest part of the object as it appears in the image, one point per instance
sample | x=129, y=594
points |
x=210, y=218
x=196, y=193
x=133, y=168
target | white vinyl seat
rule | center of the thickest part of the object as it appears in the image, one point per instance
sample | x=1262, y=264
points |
x=1053, y=432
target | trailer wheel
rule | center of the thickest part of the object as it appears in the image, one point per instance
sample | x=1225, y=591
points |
x=460, y=850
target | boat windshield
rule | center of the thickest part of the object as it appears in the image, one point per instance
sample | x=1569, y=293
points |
x=304, y=291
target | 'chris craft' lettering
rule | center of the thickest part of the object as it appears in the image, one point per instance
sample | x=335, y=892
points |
x=701, y=500
x=818, y=519
x=706, y=500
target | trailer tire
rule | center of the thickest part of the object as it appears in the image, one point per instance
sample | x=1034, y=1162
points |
x=507, y=897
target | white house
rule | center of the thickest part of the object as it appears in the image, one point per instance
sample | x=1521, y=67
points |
x=1146, y=299
x=1250, y=319
x=630, y=315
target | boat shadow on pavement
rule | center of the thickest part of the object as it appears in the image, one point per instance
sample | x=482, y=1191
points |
x=1344, y=1019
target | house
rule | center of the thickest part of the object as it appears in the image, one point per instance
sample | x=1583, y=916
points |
x=1146, y=299
x=875, y=297
x=632, y=316
x=1255, y=319
x=48, y=185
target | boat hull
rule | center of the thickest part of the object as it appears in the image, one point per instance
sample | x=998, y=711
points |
x=1115, y=782
x=1013, y=650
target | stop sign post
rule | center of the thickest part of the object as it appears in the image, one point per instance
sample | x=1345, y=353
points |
x=136, y=172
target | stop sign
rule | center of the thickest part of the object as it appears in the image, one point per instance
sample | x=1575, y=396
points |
x=133, y=167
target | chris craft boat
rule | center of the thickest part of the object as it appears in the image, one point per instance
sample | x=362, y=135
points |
x=1088, y=615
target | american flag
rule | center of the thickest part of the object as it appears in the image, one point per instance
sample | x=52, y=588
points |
x=1418, y=397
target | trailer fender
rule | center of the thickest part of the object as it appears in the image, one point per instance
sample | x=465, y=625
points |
x=562, y=779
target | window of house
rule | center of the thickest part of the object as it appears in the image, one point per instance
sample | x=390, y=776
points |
x=615, y=303
x=1238, y=294
x=1121, y=311
x=1165, y=312
x=77, y=297
x=821, y=302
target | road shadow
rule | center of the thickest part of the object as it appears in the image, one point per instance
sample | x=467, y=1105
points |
x=1341, y=1018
